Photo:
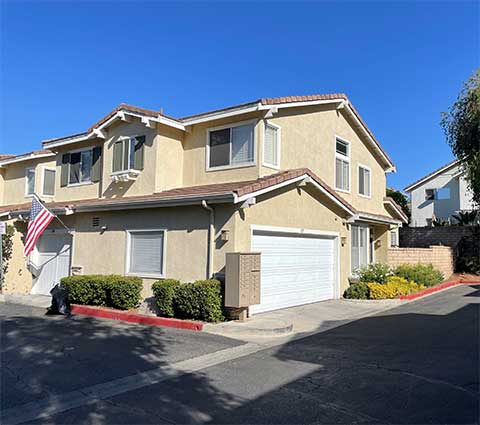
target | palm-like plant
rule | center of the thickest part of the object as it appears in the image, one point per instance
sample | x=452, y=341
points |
x=467, y=218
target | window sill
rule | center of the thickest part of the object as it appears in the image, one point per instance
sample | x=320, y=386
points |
x=365, y=196
x=231, y=167
x=273, y=167
x=146, y=275
x=79, y=184
x=124, y=175
x=342, y=190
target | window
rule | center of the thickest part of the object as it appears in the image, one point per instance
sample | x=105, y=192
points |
x=364, y=181
x=29, y=181
x=342, y=165
x=128, y=154
x=393, y=238
x=146, y=252
x=80, y=167
x=443, y=193
x=429, y=194
x=360, y=247
x=48, y=182
x=271, y=146
x=230, y=147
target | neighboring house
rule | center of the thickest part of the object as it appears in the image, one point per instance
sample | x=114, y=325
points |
x=439, y=195
x=300, y=179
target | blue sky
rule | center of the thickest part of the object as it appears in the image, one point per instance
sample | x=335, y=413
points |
x=66, y=64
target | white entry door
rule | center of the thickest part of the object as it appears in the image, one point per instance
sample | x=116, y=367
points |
x=51, y=260
x=295, y=269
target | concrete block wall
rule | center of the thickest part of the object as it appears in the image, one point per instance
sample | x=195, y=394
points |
x=423, y=237
x=441, y=257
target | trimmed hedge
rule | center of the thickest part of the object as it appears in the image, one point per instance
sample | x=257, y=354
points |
x=357, y=291
x=122, y=292
x=422, y=274
x=199, y=300
x=164, y=292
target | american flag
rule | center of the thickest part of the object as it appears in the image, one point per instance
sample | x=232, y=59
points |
x=38, y=221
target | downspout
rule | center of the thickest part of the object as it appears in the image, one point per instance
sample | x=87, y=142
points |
x=211, y=234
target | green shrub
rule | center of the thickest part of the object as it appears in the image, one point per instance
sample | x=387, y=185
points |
x=120, y=292
x=469, y=264
x=200, y=300
x=376, y=272
x=165, y=292
x=86, y=289
x=125, y=292
x=422, y=274
x=357, y=291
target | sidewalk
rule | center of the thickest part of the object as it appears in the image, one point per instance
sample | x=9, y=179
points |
x=292, y=322
x=41, y=301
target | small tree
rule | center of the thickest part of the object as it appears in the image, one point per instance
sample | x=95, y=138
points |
x=461, y=125
x=7, y=248
x=400, y=199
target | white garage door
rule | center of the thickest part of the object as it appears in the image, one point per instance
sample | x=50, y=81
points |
x=296, y=269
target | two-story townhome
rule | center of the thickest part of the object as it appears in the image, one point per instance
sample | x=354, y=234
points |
x=300, y=179
x=439, y=195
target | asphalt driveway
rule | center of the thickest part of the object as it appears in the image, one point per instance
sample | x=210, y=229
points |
x=415, y=364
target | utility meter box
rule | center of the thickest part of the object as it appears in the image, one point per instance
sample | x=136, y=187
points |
x=242, y=279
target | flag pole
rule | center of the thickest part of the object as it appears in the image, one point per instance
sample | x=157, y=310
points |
x=55, y=215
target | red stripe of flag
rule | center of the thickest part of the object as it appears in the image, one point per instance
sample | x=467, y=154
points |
x=35, y=229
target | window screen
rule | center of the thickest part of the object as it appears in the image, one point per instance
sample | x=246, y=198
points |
x=342, y=174
x=220, y=147
x=270, y=148
x=30, y=184
x=146, y=252
x=364, y=181
x=48, y=182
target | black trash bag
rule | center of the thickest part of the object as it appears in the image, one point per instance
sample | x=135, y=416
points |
x=60, y=303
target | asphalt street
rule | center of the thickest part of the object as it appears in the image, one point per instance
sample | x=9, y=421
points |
x=415, y=364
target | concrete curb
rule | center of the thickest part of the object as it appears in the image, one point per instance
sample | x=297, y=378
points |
x=437, y=288
x=105, y=313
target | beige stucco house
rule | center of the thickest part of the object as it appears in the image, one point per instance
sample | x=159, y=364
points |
x=300, y=179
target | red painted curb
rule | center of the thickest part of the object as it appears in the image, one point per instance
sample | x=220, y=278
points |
x=125, y=316
x=437, y=288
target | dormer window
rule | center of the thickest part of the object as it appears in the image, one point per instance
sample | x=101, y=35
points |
x=230, y=146
x=128, y=154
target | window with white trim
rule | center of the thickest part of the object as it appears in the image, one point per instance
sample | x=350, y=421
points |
x=342, y=165
x=232, y=146
x=146, y=252
x=271, y=146
x=29, y=181
x=364, y=181
x=80, y=167
x=394, y=238
x=128, y=154
x=48, y=188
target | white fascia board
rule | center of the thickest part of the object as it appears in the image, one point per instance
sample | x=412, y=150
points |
x=55, y=144
x=305, y=103
x=374, y=143
x=430, y=176
x=220, y=115
x=397, y=209
x=24, y=158
x=375, y=219
x=303, y=177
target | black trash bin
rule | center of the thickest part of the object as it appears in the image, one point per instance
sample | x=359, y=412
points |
x=60, y=303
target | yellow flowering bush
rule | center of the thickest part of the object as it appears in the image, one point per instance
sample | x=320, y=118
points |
x=394, y=287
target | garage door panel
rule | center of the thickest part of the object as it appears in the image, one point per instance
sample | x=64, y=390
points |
x=296, y=269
